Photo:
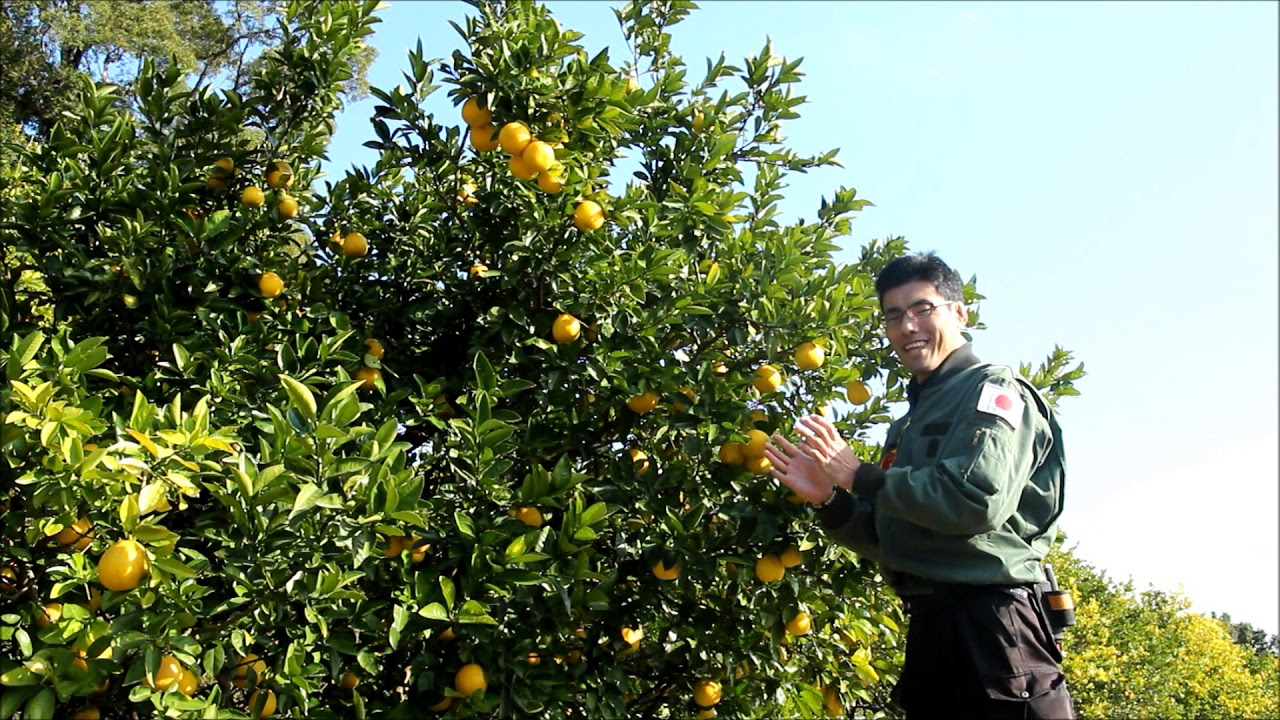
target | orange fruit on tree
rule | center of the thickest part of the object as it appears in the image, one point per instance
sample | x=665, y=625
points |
x=810, y=356
x=188, y=683
x=662, y=572
x=469, y=679
x=520, y=168
x=395, y=544
x=253, y=197
x=640, y=460
x=279, y=174
x=87, y=713
x=477, y=269
x=169, y=673
x=800, y=624
x=731, y=453
x=831, y=701
x=756, y=440
x=262, y=703
x=529, y=516
x=123, y=566
x=369, y=377
x=699, y=121
x=417, y=550
x=270, y=285
x=514, y=137
x=643, y=403
x=349, y=680
x=484, y=138
x=79, y=533
x=857, y=392
x=768, y=379
x=374, y=348
x=566, y=328
x=758, y=465
x=538, y=155
x=240, y=675
x=441, y=706
x=769, y=569
x=706, y=692
x=48, y=615
x=551, y=180
x=791, y=557
x=706, y=714
x=473, y=114
x=588, y=215
x=355, y=245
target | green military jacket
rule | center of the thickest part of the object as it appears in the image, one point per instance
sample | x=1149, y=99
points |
x=970, y=486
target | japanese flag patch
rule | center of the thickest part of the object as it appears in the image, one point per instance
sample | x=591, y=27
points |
x=1003, y=402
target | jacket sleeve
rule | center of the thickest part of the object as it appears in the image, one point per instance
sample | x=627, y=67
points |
x=976, y=484
x=851, y=521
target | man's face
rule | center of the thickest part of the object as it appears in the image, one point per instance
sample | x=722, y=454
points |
x=924, y=341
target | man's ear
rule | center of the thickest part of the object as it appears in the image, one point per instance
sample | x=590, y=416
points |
x=962, y=313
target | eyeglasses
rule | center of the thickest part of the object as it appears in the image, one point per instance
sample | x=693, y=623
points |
x=917, y=311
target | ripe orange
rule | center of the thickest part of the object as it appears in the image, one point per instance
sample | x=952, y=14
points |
x=167, y=674
x=262, y=703
x=831, y=701
x=483, y=139
x=395, y=544
x=253, y=197
x=514, y=137
x=588, y=215
x=349, y=680
x=79, y=533
x=469, y=679
x=224, y=167
x=706, y=692
x=791, y=557
x=270, y=285
x=810, y=356
x=768, y=379
x=240, y=676
x=758, y=465
x=287, y=207
x=473, y=114
x=640, y=460
x=551, y=180
x=417, y=550
x=123, y=566
x=857, y=392
x=48, y=615
x=662, y=572
x=529, y=516
x=566, y=328
x=369, y=376
x=441, y=706
x=188, y=683
x=355, y=245
x=769, y=569
x=731, y=453
x=279, y=174
x=538, y=155
x=374, y=348
x=520, y=168
x=643, y=403
x=756, y=440
x=477, y=268
x=87, y=713
x=800, y=624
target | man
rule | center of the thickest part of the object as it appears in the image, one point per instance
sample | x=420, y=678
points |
x=958, y=514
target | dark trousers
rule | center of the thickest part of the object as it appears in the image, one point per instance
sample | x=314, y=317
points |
x=981, y=652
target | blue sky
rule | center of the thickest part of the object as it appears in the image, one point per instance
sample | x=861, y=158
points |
x=1109, y=173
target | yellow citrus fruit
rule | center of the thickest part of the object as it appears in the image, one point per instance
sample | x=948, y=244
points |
x=706, y=692
x=476, y=269
x=87, y=713
x=253, y=197
x=417, y=551
x=831, y=701
x=810, y=356
x=640, y=460
x=374, y=348
x=168, y=673
x=355, y=245
x=533, y=658
x=633, y=84
x=48, y=615
x=395, y=544
x=469, y=679
x=442, y=705
x=643, y=403
x=551, y=181
x=699, y=120
x=262, y=703
x=240, y=675
x=349, y=680
x=123, y=566
x=529, y=516
x=706, y=714
x=538, y=155
x=662, y=572
x=791, y=557
x=95, y=600
x=731, y=453
x=79, y=533
x=279, y=174
x=573, y=658
x=287, y=207
x=188, y=683
x=514, y=137
x=632, y=636
x=467, y=195
x=483, y=139
x=857, y=392
x=756, y=440
x=768, y=379
x=446, y=634
x=769, y=569
x=588, y=215
x=800, y=624
x=473, y=114
x=758, y=465
x=759, y=416
x=520, y=168
x=369, y=377
x=224, y=167
x=720, y=368
x=566, y=328
x=270, y=285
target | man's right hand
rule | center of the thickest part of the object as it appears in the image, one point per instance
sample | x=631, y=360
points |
x=793, y=468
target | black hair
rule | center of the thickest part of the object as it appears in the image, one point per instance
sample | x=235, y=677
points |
x=926, y=267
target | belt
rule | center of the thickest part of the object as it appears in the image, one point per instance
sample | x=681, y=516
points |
x=946, y=595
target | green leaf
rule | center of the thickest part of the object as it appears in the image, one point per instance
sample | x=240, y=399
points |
x=300, y=396
x=434, y=611
x=486, y=379
x=306, y=499
x=474, y=613
x=11, y=700
x=19, y=677
x=447, y=589
x=174, y=567
x=40, y=707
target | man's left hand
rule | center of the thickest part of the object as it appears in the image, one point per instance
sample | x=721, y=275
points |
x=829, y=451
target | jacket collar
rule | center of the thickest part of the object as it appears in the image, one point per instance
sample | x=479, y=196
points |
x=961, y=358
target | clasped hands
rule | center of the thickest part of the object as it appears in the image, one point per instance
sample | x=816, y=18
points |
x=822, y=460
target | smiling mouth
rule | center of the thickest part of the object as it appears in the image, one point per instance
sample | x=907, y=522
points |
x=913, y=346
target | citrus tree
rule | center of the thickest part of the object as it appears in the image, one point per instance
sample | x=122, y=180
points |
x=475, y=431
